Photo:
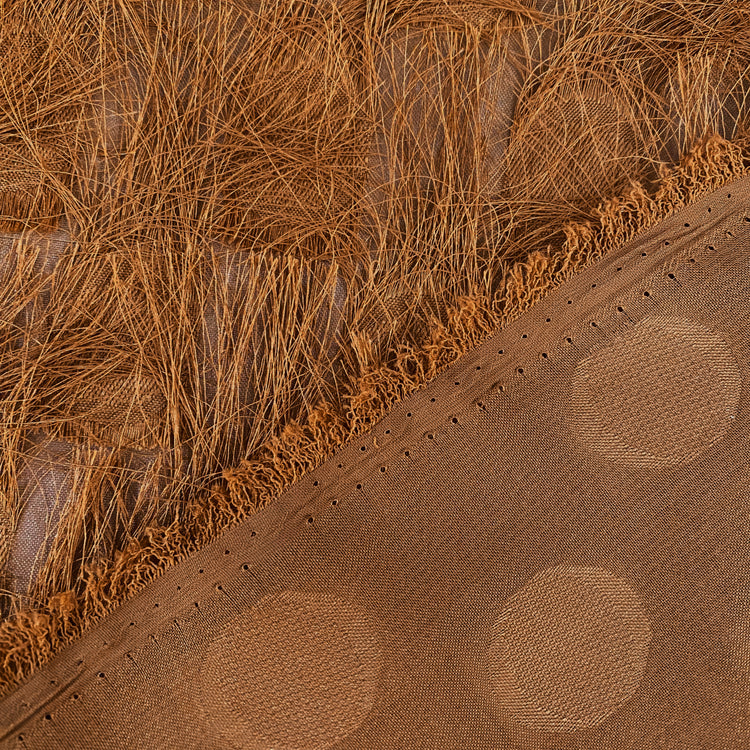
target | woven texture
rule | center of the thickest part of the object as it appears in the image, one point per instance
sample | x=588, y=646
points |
x=234, y=235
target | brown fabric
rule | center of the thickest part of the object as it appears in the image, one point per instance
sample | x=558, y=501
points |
x=182, y=390
x=45, y=481
x=383, y=175
x=546, y=548
x=434, y=119
x=27, y=262
x=402, y=318
x=40, y=114
x=715, y=98
x=129, y=405
x=27, y=186
x=590, y=123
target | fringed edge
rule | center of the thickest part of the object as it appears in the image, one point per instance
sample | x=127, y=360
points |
x=29, y=639
x=21, y=210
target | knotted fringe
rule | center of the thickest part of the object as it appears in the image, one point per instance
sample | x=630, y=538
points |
x=31, y=638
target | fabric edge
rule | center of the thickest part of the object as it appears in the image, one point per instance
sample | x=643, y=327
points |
x=31, y=638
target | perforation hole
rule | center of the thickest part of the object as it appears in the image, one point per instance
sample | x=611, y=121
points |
x=382, y=469
x=691, y=260
x=359, y=486
x=100, y=675
x=667, y=242
x=712, y=248
x=671, y=276
x=594, y=324
x=245, y=567
x=432, y=400
x=524, y=335
x=709, y=209
x=334, y=501
x=501, y=351
x=545, y=355
x=408, y=413
x=48, y=717
x=253, y=533
x=310, y=520
x=200, y=571
x=219, y=587
x=363, y=448
x=687, y=224
x=388, y=432
x=570, y=301
x=76, y=696
x=316, y=483
x=407, y=453
x=454, y=420
x=619, y=268
x=548, y=320
x=156, y=605
x=568, y=340
x=620, y=308
x=520, y=370
x=643, y=255
x=226, y=551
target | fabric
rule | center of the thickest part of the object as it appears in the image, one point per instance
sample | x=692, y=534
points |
x=545, y=548
x=259, y=487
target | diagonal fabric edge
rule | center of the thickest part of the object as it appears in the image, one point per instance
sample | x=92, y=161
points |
x=31, y=639
x=156, y=607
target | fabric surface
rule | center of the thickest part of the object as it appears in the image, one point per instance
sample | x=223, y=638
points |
x=547, y=548
x=227, y=224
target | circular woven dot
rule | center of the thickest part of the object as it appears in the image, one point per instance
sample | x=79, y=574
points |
x=660, y=393
x=592, y=122
x=568, y=649
x=295, y=671
x=121, y=408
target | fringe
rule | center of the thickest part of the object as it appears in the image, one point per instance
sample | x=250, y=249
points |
x=144, y=434
x=22, y=210
x=29, y=639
